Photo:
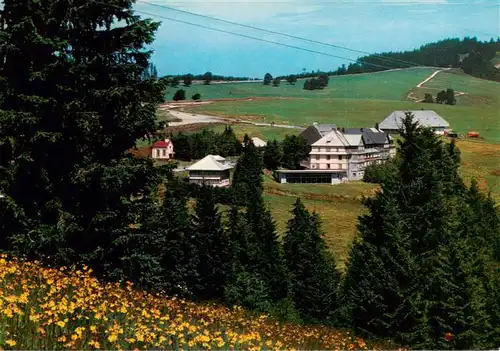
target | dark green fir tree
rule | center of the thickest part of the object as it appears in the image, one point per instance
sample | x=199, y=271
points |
x=211, y=248
x=380, y=271
x=268, y=260
x=70, y=109
x=273, y=155
x=314, y=279
x=454, y=310
x=247, y=178
x=245, y=287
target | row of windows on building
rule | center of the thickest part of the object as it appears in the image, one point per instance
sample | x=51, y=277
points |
x=331, y=149
x=329, y=166
x=221, y=174
x=359, y=157
x=208, y=181
x=328, y=157
x=341, y=166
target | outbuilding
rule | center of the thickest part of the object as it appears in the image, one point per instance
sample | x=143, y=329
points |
x=425, y=118
x=163, y=150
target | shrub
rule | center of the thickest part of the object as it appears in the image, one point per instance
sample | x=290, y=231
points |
x=179, y=95
x=376, y=173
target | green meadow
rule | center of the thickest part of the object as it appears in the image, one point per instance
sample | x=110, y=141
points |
x=382, y=85
x=478, y=109
x=360, y=101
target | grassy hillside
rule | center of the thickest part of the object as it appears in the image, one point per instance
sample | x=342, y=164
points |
x=358, y=113
x=363, y=100
x=45, y=308
x=346, y=102
x=383, y=85
x=479, y=93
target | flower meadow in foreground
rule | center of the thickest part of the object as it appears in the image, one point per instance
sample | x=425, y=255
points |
x=47, y=308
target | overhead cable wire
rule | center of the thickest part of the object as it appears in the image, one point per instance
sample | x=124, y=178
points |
x=262, y=40
x=256, y=38
x=384, y=58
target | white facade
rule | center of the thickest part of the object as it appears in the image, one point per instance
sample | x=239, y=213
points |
x=211, y=170
x=339, y=152
x=163, y=150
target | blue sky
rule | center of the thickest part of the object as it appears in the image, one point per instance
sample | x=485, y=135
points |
x=367, y=25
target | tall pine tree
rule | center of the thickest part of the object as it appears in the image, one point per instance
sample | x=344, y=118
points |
x=380, y=270
x=314, y=278
x=69, y=111
x=247, y=178
x=172, y=228
x=211, y=252
x=273, y=155
x=453, y=312
x=245, y=287
x=268, y=260
x=403, y=271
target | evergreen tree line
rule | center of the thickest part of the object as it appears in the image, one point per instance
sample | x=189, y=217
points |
x=319, y=80
x=194, y=146
x=424, y=269
x=470, y=54
x=187, y=79
x=268, y=78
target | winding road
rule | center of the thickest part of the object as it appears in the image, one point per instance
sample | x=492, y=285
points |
x=192, y=118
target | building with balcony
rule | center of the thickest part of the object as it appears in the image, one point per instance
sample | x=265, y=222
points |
x=340, y=155
x=212, y=170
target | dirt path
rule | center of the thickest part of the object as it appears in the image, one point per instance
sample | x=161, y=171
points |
x=195, y=118
x=419, y=85
x=411, y=95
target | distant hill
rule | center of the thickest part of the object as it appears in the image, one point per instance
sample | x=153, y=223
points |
x=471, y=55
x=474, y=57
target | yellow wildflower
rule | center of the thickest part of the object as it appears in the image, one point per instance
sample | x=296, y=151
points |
x=113, y=337
x=8, y=312
x=11, y=342
x=94, y=344
x=61, y=323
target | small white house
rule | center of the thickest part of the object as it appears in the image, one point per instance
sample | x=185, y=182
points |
x=212, y=170
x=163, y=150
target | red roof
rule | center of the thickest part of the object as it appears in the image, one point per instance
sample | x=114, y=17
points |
x=161, y=144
